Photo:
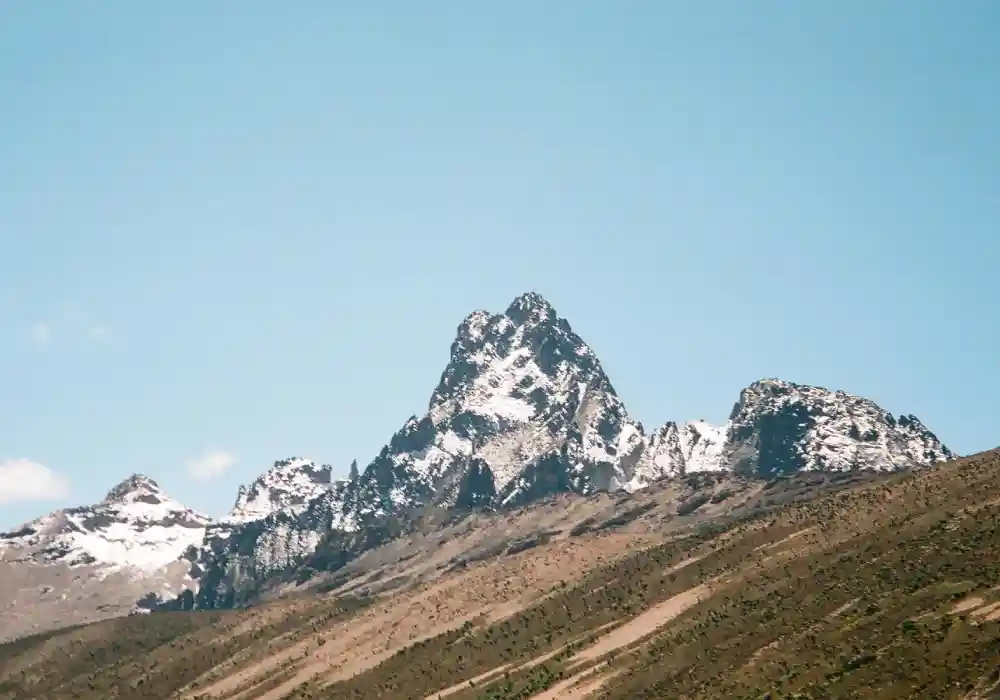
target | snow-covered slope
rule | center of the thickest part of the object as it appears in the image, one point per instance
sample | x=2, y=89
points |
x=93, y=562
x=137, y=527
x=287, y=486
x=674, y=450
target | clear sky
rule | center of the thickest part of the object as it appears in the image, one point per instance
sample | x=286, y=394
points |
x=234, y=231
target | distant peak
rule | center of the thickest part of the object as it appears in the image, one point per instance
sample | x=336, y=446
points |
x=292, y=462
x=290, y=483
x=768, y=390
x=475, y=324
x=530, y=306
x=135, y=484
x=772, y=386
x=295, y=469
x=771, y=382
x=782, y=387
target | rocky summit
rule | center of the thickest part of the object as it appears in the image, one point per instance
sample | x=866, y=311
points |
x=522, y=411
x=287, y=486
x=136, y=527
x=778, y=427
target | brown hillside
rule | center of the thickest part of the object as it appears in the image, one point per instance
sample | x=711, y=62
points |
x=885, y=588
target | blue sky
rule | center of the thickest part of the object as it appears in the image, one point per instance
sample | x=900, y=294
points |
x=239, y=231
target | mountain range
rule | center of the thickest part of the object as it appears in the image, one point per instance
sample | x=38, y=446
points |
x=522, y=411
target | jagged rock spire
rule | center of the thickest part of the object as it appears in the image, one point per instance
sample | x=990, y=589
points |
x=137, y=484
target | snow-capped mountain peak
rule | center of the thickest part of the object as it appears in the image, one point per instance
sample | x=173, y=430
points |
x=136, y=488
x=779, y=427
x=136, y=527
x=288, y=485
x=523, y=400
x=530, y=307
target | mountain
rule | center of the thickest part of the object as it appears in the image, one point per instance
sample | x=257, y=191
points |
x=137, y=527
x=522, y=411
x=96, y=561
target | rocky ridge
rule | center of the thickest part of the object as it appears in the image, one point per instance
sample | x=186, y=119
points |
x=523, y=410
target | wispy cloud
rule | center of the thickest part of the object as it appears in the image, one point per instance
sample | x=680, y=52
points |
x=210, y=465
x=71, y=324
x=22, y=480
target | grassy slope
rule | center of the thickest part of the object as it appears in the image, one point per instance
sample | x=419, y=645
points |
x=852, y=594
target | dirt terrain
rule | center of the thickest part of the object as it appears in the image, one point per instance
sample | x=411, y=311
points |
x=811, y=587
x=30, y=601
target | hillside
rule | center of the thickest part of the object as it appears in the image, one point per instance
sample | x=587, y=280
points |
x=814, y=585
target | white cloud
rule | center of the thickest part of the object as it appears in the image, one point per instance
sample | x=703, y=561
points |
x=210, y=465
x=71, y=323
x=22, y=480
x=41, y=333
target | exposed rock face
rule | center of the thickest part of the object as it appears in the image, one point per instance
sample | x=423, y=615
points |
x=287, y=486
x=523, y=409
x=276, y=523
x=778, y=427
